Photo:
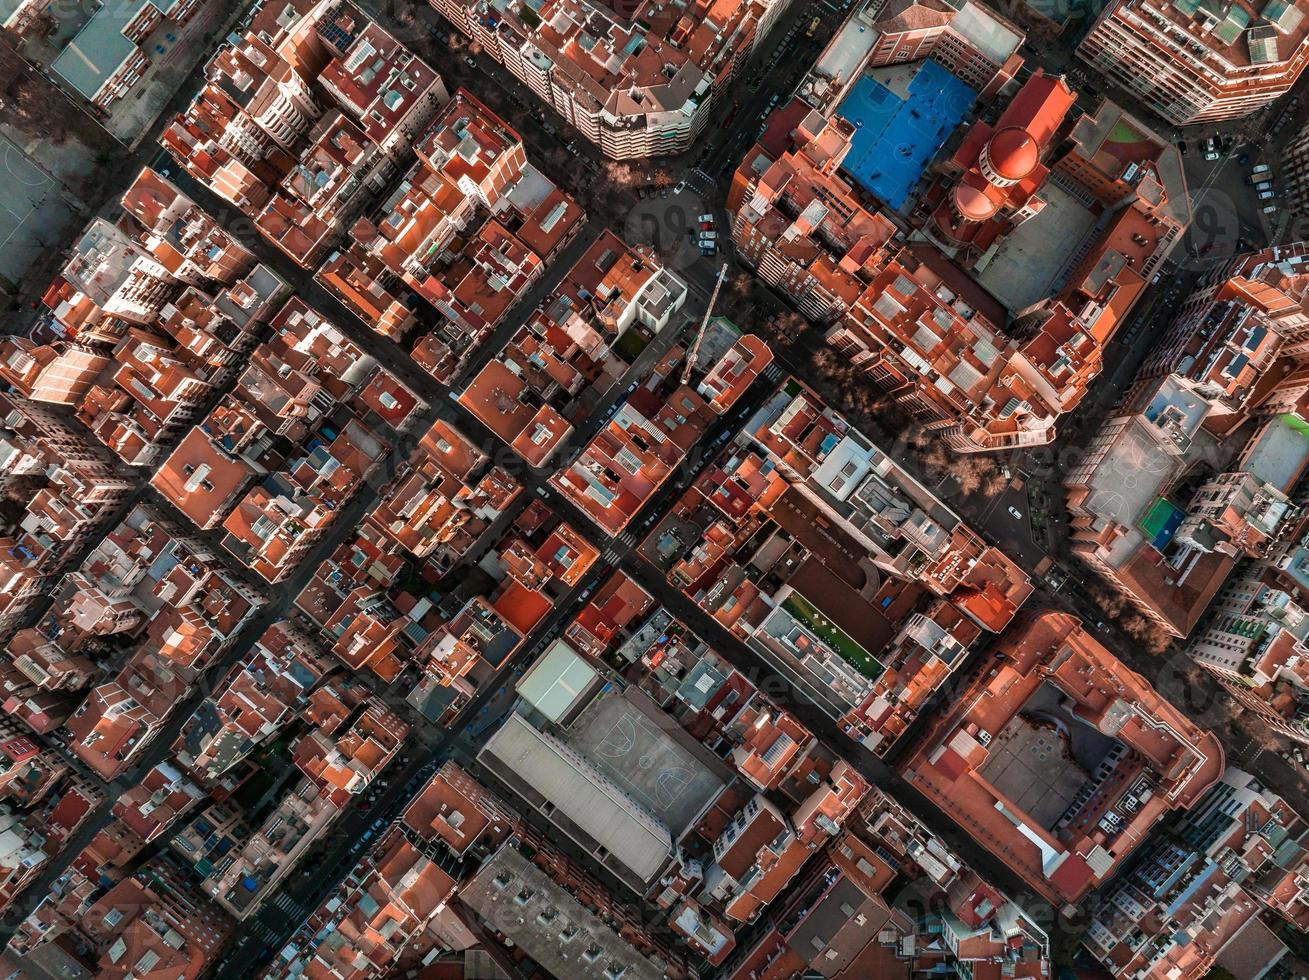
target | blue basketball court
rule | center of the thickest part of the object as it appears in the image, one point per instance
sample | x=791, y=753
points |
x=897, y=135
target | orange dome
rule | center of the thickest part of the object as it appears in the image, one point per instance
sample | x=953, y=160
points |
x=972, y=203
x=1013, y=153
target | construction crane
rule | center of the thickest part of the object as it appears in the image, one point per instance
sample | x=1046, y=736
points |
x=709, y=311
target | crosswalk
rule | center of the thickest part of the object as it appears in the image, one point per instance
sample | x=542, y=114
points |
x=621, y=545
x=290, y=906
x=774, y=373
x=701, y=181
x=265, y=933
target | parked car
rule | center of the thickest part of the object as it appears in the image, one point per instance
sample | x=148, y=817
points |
x=708, y=250
x=1015, y=513
x=1264, y=185
x=681, y=186
x=707, y=218
x=1260, y=168
x=1269, y=209
x=708, y=236
x=1266, y=195
x=1211, y=149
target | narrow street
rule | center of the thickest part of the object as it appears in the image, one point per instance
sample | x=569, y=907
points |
x=262, y=935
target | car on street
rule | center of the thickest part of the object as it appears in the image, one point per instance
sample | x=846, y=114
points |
x=1260, y=168
x=1266, y=195
x=708, y=236
x=1269, y=209
x=1211, y=149
x=1184, y=147
x=1015, y=513
x=707, y=251
x=707, y=218
x=1264, y=185
x=681, y=186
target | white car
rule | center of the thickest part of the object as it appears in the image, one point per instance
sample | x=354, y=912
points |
x=1015, y=513
x=1269, y=209
x=1211, y=148
x=706, y=217
x=681, y=186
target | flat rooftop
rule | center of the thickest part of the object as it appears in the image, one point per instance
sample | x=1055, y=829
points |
x=557, y=681
x=579, y=799
x=1029, y=766
x=647, y=761
x=902, y=117
x=1028, y=263
x=518, y=899
x=1044, y=756
x=1128, y=480
x=1278, y=454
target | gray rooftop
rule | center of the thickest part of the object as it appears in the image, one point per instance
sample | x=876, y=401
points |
x=100, y=48
x=1278, y=454
x=644, y=751
x=579, y=799
x=517, y=899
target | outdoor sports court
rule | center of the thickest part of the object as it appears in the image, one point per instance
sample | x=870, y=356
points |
x=647, y=763
x=33, y=212
x=901, y=119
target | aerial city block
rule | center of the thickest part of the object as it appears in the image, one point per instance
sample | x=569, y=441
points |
x=654, y=490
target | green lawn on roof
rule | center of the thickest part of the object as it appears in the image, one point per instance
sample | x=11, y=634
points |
x=836, y=638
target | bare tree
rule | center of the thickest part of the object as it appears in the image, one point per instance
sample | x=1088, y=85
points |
x=1152, y=638
x=622, y=174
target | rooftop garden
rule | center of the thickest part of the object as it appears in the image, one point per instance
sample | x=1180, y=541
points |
x=836, y=639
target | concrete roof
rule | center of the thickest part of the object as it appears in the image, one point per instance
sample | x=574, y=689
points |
x=519, y=900
x=541, y=768
x=100, y=47
x=557, y=681
x=1277, y=455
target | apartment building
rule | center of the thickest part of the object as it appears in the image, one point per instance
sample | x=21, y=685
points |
x=1194, y=63
x=970, y=331
x=1254, y=642
x=1206, y=893
x=1067, y=823
x=72, y=490
x=1168, y=551
x=1230, y=333
x=636, y=82
x=975, y=43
